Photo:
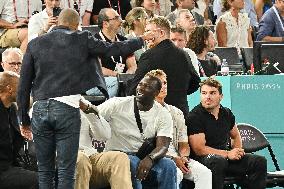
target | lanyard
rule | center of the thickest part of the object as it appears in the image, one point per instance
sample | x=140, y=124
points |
x=79, y=5
x=201, y=69
x=104, y=39
x=277, y=14
x=118, y=6
x=15, y=9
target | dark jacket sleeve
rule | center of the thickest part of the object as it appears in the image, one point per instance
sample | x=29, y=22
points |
x=144, y=67
x=121, y=48
x=194, y=80
x=25, y=86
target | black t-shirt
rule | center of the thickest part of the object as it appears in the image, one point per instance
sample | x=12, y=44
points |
x=217, y=132
x=125, y=6
x=10, y=138
x=110, y=62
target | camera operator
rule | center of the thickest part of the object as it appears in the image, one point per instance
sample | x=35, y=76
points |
x=41, y=22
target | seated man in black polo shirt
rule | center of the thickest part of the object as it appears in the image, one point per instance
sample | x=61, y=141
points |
x=216, y=141
x=110, y=22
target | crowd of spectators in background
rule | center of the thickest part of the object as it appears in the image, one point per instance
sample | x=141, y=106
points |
x=175, y=50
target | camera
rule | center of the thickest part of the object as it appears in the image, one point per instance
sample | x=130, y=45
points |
x=56, y=11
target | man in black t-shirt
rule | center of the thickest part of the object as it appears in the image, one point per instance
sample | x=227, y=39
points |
x=110, y=22
x=216, y=141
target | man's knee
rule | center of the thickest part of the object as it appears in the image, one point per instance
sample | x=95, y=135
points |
x=23, y=34
x=205, y=172
x=259, y=162
x=83, y=162
x=120, y=159
x=120, y=156
x=167, y=166
x=11, y=38
x=216, y=163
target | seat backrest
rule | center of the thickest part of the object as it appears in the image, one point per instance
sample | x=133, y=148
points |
x=253, y=139
x=231, y=55
x=247, y=54
x=123, y=78
x=92, y=28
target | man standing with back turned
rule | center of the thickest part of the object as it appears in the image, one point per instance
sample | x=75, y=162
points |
x=57, y=68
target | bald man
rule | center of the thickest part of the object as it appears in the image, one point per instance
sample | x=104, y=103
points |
x=57, y=68
x=11, y=176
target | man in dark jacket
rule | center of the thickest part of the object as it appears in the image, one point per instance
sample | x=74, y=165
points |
x=57, y=68
x=11, y=175
x=182, y=77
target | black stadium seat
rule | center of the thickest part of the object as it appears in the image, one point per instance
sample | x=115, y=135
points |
x=247, y=54
x=92, y=28
x=231, y=55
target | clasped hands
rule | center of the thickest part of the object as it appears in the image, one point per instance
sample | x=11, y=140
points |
x=182, y=164
x=236, y=154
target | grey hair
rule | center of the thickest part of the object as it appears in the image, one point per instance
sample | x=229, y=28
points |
x=180, y=12
x=8, y=51
x=102, y=17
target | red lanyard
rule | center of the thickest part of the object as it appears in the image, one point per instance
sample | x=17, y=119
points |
x=15, y=9
x=79, y=5
x=118, y=5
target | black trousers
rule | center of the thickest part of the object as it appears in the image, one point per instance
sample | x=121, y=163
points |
x=254, y=166
x=18, y=178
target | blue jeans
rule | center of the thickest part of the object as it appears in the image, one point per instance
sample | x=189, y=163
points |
x=161, y=176
x=56, y=129
x=112, y=88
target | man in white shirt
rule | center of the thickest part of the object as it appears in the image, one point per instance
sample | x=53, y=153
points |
x=14, y=16
x=83, y=7
x=103, y=169
x=179, y=148
x=41, y=22
x=156, y=121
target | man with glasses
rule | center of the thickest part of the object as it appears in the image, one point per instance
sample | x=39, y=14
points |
x=110, y=23
x=12, y=60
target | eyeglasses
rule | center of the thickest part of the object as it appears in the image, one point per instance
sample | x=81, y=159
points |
x=14, y=63
x=115, y=18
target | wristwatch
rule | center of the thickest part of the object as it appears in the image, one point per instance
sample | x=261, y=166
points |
x=88, y=109
x=151, y=156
